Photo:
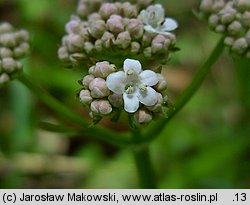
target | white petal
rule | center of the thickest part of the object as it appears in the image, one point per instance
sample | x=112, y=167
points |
x=132, y=64
x=170, y=24
x=116, y=82
x=148, y=97
x=148, y=77
x=131, y=102
x=143, y=16
x=150, y=29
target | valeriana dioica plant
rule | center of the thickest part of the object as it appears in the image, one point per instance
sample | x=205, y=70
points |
x=122, y=47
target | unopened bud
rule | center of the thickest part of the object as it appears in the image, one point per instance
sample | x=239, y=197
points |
x=160, y=44
x=115, y=24
x=220, y=28
x=135, y=47
x=88, y=47
x=98, y=45
x=107, y=39
x=4, y=78
x=82, y=9
x=74, y=42
x=73, y=26
x=234, y=27
x=22, y=50
x=206, y=5
x=75, y=57
x=101, y=107
x=5, y=27
x=63, y=54
x=98, y=88
x=246, y=18
x=162, y=83
x=116, y=100
x=144, y=3
x=128, y=10
x=102, y=69
x=107, y=9
x=135, y=28
x=147, y=52
x=158, y=105
x=229, y=41
x=147, y=38
x=213, y=20
x=86, y=80
x=218, y=5
x=247, y=36
x=243, y=5
x=9, y=65
x=85, y=97
x=5, y=52
x=97, y=28
x=240, y=46
x=92, y=18
x=142, y=116
x=8, y=40
x=22, y=35
x=228, y=15
x=123, y=40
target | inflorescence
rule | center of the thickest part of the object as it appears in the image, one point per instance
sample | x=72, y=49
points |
x=232, y=18
x=117, y=30
x=13, y=46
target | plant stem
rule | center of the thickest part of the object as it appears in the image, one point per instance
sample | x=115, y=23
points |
x=142, y=158
x=156, y=129
x=66, y=113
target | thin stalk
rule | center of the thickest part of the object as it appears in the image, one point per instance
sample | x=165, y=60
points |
x=156, y=129
x=66, y=113
x=142, y=159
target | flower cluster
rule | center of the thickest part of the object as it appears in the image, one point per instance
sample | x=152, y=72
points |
x=231, y=17
x=13, y=46
x=118, y=30
x=107, y=90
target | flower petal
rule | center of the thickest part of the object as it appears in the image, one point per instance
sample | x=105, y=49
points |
x=150, y=29
x=131, y=102
x=116, y=82
x=135, y=65
x=148, y=97
x=170, y=24
x=148, y=77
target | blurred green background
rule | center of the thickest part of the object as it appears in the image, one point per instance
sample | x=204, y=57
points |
x=207, y=145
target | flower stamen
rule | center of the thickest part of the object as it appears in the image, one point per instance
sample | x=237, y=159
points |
x=142, y=87
x=130, y=89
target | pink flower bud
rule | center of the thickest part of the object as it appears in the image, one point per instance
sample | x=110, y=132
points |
x=101, y=107
x=22, y=50
x=86, y=80
x=116, y=100
x=82, y=9
x=97, y=28
x=73, y=42
x=63, y=54
x=98, y=88
x=107, y=9
x=75, y=57
x=22, y=35
x=107, y=39
x=92, y=18
x=157, y=106
x=73, y=26
x=229, y=41
x=102, y=69
x=213, y=20
x=135, y=28
x=240, y=45
x=162, y=83
x=85, y=97
x=142, y=116
x=147, y=38
x=160, y=44
x=135, y=47
x=123, y=40
x=234, y=27
x=246, y=19
x=115, y=24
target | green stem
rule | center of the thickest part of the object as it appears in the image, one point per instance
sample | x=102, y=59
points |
x=156, y=129
x=66, y=113
x=142, y=158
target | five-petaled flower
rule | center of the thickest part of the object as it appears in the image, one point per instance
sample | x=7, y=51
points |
x=134, y=84
x=155, y=21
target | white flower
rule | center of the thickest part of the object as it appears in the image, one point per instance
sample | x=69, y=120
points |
x=155, y=22
x=134, y=84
